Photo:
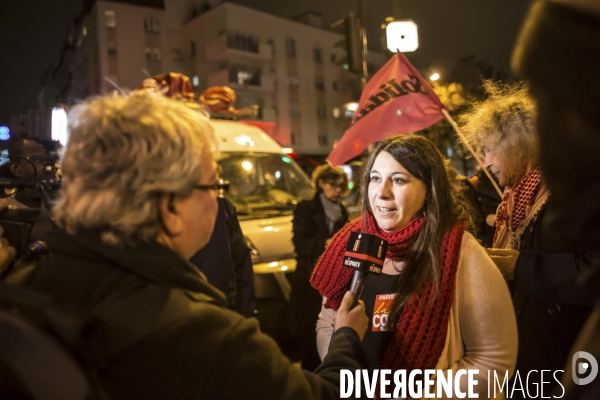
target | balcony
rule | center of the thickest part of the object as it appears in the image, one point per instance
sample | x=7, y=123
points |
x=241, y=79
x=232, y=45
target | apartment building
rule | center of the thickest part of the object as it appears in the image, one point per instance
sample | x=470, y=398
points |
x=290, y=68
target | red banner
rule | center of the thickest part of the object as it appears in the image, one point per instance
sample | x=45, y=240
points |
x=395, y=101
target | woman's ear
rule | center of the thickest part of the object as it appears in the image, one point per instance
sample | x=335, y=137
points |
x=170, y=218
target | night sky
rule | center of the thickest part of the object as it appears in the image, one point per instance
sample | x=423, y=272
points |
x=31, y=35
x=32, y=32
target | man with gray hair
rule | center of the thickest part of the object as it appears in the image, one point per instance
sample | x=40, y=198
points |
x=138, y=199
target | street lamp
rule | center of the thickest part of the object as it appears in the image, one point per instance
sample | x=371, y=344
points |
x=400, y=35
x=352, y=106
x=434, y=77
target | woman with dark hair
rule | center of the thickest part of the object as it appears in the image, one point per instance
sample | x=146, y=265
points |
x=315, y=222
x=440, y=302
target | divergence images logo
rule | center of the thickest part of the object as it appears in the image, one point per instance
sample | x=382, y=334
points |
x=580, y=367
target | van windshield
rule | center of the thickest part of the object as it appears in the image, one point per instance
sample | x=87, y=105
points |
x=264, y=183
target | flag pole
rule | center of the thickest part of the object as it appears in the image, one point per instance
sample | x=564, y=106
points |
x=466, y=143
x=449, y=118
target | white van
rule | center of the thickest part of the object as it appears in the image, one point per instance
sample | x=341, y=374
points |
x=266, y=185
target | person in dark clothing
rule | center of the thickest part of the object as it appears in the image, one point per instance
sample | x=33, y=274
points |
x=26, y=216
x=315, y=222
x=487, y=201
x=139, y=198
x=466, y=190
x=29, y=160
x=544, y=264
x=558, y=45
x=226, y=261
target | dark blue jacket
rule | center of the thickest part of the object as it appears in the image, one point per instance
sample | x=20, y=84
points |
x=226, y=261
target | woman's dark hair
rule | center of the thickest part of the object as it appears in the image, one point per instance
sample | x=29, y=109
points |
x=327, y=173
x=444, y=208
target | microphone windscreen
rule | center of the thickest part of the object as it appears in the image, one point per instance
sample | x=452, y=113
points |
x=365, y=252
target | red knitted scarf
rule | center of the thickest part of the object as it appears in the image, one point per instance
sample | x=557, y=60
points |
x=420, y=334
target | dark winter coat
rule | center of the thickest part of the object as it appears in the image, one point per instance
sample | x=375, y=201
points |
x=550, y=302
x=226, y=261
x=158, y=330
x=310, y=234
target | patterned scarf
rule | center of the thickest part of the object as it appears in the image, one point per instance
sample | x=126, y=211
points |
x=420, y=334
x=520, y=204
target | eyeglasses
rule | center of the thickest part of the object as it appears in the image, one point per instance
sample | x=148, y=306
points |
x=336, y=185
x=222, y=186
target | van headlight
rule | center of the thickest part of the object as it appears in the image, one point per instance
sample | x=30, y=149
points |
x=285, y=266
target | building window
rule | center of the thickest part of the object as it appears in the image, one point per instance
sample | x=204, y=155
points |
x=318, y=54
x=192, y=49
x=334, y=86
x=336, y=112
x=319, y=84
x=153, y=54
x=292, y=79
x=110, y=20
x=290, y=48
x=151, y=24
x=111, y=41
x=321, y=112
x=244, y=76
x=322, y=140
x=242, y=42
x=176, y=54
x=333, y=59
x=195, y=81
x=294, y=110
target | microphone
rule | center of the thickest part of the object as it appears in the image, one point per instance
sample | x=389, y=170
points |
x=364, y=254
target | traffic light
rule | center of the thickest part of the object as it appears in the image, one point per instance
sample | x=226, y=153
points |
x=352, y=42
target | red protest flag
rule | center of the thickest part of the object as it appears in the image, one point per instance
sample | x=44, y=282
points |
x=395, y=101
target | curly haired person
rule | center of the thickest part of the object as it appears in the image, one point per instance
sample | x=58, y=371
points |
x=542, y=265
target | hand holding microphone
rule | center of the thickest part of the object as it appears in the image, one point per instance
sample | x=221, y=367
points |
x=365, y=254
x=354, y=318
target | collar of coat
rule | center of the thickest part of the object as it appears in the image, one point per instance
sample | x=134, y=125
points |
x=151, y=261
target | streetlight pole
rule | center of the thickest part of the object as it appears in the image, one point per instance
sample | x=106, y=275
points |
x=396, y=9
x=363, y=35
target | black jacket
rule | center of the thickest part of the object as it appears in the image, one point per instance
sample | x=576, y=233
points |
x=550, y=302
x=310, y=234
x=158, y=330
x=226, y=261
